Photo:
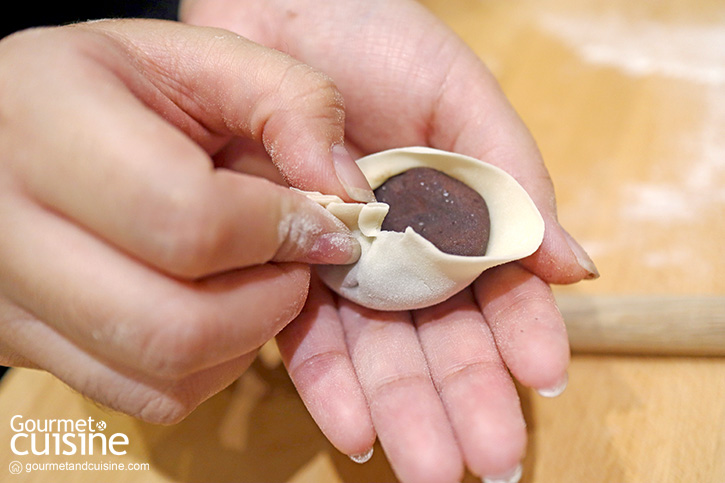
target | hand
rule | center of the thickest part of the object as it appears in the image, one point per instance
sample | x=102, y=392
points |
x=433, y=384
x=129, y=266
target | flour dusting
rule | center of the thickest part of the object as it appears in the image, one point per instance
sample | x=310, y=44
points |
x=700, y=188
x=695, y=53
x=691, y=53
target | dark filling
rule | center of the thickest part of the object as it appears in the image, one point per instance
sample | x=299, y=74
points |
x=443, y=210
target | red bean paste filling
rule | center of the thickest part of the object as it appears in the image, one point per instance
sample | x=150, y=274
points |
x=441, y=209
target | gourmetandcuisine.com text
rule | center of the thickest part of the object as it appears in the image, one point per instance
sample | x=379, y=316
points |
x=86, y=466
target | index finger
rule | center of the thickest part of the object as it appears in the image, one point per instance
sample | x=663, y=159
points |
x=122, y=171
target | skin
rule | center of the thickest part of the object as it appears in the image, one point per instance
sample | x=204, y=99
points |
x=433, y=385
x=128, y=266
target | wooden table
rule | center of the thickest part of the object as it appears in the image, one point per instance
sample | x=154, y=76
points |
x=627, y=102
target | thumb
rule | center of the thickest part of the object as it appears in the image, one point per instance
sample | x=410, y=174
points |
x=227, y=85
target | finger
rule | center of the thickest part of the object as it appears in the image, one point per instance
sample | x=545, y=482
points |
x=474, y=117
x=474, y=385
x=118, y=309
x=407, y=413
x=170, y=208
x=529, y=330
x=153, y=399
x=314, y=352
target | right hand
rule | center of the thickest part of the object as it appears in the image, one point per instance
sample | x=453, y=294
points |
x=130, y=267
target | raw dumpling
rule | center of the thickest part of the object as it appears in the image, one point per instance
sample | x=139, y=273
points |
x=403, y=271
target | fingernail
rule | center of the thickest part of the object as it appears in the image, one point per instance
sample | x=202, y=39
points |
x=363, y=457
x=349, y=174
x=334, y=249
x=582, y=257
x=512, y=476
x=557, y=389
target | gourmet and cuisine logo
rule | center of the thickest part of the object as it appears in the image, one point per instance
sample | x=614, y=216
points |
x=64, y=437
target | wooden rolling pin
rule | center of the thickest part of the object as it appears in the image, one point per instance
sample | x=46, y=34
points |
x=645, y=324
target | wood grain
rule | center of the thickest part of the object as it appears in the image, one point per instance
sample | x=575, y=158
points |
x=641, y=324
x=627, y=102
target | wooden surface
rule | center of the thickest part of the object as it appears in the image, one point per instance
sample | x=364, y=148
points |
x=627, y=102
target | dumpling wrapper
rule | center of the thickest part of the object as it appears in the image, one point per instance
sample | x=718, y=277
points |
x=404, y=271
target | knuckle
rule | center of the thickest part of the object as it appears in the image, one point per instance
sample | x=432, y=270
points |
x=174, y=344
x=72, y=45
x=185, y=235
x=316, y=85
x=323, y=362
x=310, y=91
x=461, y=373
x=395, y=382
x=166, y=409
x=31, y=54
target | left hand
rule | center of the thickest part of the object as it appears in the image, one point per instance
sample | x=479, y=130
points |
x=433, y=384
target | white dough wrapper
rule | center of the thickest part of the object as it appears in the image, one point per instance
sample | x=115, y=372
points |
x=404, y=271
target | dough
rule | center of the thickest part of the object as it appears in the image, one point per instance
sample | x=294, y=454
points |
x=404, y=271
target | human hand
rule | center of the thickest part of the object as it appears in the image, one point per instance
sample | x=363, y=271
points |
x=130, y=266
x=434, y=385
